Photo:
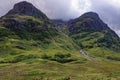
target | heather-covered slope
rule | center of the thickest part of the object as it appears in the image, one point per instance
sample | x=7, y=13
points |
x=91, y=33
x=22, y=33
x=33, y=47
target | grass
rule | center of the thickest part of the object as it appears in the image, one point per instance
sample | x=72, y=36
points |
x=27, y=64
x=59, y=57
x=51, y=70
x=52, y=55
x=23, y=61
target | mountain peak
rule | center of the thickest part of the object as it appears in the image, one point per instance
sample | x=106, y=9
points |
x=89, y=22
x=23, y=4
x=93, y=15
x=26, y=8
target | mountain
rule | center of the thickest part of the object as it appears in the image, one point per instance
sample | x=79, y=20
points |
x=33, y=47
x=60, y=25
x=89, y=31
x=87, y=22
x=26, y=8
x=25, y=28
x=24, y=19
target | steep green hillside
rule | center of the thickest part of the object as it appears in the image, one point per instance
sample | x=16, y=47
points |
x=91, y=33
x=33, y=48
x=30, y=37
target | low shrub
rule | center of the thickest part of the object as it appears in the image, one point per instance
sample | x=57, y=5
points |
x=45, y=56
x=23, y=57
x=59, y=57
x=116, y=58
x=65, y=78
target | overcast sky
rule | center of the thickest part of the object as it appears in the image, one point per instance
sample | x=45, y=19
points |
x=108, y=10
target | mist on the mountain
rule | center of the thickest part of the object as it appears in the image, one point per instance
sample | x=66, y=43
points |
x=70, y=9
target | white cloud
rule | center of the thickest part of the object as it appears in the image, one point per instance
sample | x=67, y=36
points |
x=80, y=6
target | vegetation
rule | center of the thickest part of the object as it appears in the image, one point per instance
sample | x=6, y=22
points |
x=33, y=49
x=61, y=58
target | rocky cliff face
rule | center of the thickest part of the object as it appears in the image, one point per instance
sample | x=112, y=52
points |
x=27, y=21
x=26, y=8
x=90, y=31
x=89, y=22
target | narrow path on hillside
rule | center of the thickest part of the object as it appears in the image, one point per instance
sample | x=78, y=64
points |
x=86, y=55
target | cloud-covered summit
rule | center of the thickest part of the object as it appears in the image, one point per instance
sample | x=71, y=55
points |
x=69, y=9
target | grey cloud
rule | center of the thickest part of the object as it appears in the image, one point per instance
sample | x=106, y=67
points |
x=54, y=9
x=57, y=9
x=108, y=12
x=5, y=6
x=63, y=9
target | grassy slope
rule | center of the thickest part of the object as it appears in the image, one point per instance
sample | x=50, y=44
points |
x=32, y=59
x=38, y=69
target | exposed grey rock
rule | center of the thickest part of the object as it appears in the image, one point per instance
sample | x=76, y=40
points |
x=87, y=22
x=26, y=8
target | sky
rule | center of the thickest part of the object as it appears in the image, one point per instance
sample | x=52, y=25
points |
x=108, y=10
